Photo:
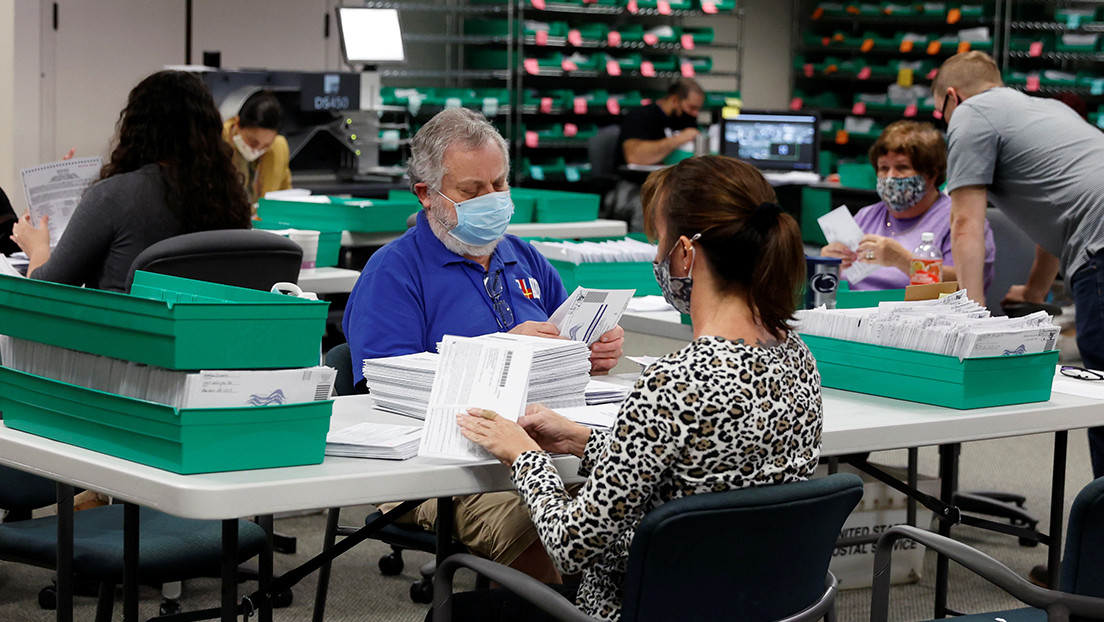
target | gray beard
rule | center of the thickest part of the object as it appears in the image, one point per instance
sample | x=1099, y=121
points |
x=442, y=229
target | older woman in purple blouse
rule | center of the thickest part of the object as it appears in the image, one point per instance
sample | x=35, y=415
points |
x=911, y=162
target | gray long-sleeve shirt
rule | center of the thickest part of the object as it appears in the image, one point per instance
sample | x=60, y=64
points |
x=116, y=219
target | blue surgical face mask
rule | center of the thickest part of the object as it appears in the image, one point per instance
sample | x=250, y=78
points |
x=482, y=220
x=676, y=289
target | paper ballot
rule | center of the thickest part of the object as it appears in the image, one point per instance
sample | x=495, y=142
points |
x=587, y=314
x=492, y=375
x=54, y=190
x=839, y=225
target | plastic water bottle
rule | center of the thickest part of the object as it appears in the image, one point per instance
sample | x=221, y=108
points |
x=927, y=262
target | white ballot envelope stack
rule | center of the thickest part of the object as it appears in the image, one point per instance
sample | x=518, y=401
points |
x=839, y=225
x=54, y=190
x=953, y=325
x=473, y=373
x=558, y=378
x=374, y=440
x=214, y=388
x=626, y=249
x=587, y=314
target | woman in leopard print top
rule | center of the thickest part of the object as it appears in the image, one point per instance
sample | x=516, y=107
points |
x=739, y=406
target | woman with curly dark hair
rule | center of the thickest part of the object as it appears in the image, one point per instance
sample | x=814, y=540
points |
x=170, y=173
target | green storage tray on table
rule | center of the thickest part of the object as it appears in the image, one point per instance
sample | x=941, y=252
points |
x=169, y=322
x=559, y=205
x=934, y=379
x=191, y=440
x=339, y=214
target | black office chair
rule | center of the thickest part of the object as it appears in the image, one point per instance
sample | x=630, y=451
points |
x=170, y=548
x=602, y=155
x=398, y=537
x=249, y=258
x=1080, y=593
x=754, y=554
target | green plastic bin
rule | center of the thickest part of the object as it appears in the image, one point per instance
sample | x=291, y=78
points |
x=361, y=215
x=847, y=299
x=186, y=441
x=636, y=275
x=857, y=175
x=169, y=322
x=934, y=379
x=559, y=205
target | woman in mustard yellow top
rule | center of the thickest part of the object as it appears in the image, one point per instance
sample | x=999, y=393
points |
x=260, y=152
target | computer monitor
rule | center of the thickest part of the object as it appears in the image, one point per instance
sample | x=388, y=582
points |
x=772, y=141
x=370, y=36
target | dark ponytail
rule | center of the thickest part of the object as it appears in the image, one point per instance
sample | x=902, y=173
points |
x=753, y=247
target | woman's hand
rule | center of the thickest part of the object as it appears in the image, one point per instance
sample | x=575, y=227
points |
x=537, y=329
x=35, y=241
x=841, y=252
x=505, y=439
x=877, y=249
x=553, y=432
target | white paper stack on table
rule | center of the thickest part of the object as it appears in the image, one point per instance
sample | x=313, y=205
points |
x=601, y=392
x=181, y=389
x=559, y=376
x=626, y=249
x=374, y=440
x=953, y=325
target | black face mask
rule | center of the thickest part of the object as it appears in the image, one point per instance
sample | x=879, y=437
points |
x=943, y=111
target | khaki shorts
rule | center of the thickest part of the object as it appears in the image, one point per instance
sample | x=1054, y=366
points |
x=494, y=525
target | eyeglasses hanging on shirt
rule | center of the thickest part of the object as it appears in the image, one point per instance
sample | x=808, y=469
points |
x=495, y=284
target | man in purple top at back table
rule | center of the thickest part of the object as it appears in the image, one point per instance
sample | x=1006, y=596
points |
x=910, y=159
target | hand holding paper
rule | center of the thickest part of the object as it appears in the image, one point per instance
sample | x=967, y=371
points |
x=840, y=227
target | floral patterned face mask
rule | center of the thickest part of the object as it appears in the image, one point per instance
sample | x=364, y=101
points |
x=901, y=193
x=676, y=289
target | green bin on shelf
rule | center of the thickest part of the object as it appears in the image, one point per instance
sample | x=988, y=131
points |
x=593, y=32
x=186, y=441
x=361, y=215
x=665, y=63
x=560, y=206
x=701, y=64
x=857, y=175
x=168, y=321
x=702, y=35
x=934, y=379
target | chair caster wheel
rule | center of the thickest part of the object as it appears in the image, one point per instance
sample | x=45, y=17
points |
x=47, y=598
x=422, y=592
x=282, y=599
x=1029, y=542
x=391, y=565
x=169, y=608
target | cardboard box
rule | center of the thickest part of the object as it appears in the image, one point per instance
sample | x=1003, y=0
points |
x=881, y=508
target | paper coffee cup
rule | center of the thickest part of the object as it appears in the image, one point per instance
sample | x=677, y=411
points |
x=308, y=240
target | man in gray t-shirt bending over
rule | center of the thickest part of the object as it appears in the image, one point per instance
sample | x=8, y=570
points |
x=1039, y=163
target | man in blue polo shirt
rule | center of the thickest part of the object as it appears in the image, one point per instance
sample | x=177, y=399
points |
x=456, y=272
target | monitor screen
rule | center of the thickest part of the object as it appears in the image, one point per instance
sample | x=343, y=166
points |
x=772, y=141
x=370, y=35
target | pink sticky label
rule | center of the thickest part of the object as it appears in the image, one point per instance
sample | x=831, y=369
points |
x=570, y=129
x=632, y=7
x=807, y=69
x=651, y=39
x=580, y=105
x=910, y=110
x=687, y=70
x=537, y=4
x=532, y=139
x=708, y=7
x=687, y=41
x=1035, y=49
x=613, y=38
x=864, y=73
x=647, y=69
x=664, y=7
x=574, y=37
x=613, y=106
x=613, y=68
x=532, y=67
x=542, y=37
x=796, y=103
x=568, y=65
x=546, y=105
x=1032, y=83
x=859, y=108
x=644, y=101
x=932, y=73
